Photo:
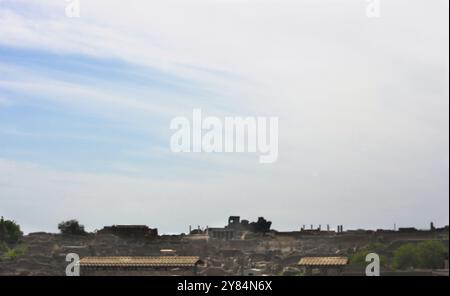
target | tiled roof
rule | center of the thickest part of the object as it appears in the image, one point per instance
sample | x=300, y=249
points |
x=131, y=226
x=148, y=261
x=323, y=261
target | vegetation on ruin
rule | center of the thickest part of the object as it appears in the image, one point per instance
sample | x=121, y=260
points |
x=15, y=253
x=426, y=254
x=72, y=227
x=10, y=232
x=359, y=258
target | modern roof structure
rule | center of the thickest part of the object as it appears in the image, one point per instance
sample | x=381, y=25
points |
x=323, y=261
x=148, y=261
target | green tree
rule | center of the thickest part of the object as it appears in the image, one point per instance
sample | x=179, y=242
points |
x=426, y=254
x=431, y=254
x=359, y=258
x=9, y=231
x=71, y=227
x=405, y=257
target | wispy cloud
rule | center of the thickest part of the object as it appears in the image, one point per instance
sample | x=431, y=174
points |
x=85, y=106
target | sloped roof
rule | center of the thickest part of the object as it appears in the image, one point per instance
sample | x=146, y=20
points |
x=323, y=261
x=148, y=261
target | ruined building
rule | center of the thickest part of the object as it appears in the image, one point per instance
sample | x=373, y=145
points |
x=136, y=231
x=262, y=225
x=236, y=227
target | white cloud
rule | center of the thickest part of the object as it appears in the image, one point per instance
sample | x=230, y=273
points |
x=362, y=101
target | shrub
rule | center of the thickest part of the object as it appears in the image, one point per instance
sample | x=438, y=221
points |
x=71, y=227
x=405, y=257
x=13, y=254
x=359, y=258
x=431, y=254
x=9, y=231
x=426, y=254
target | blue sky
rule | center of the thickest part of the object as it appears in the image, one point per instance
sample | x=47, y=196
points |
x=36, y=128
x=86, y=103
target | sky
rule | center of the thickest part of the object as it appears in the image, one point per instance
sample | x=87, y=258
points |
x=86, y=104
